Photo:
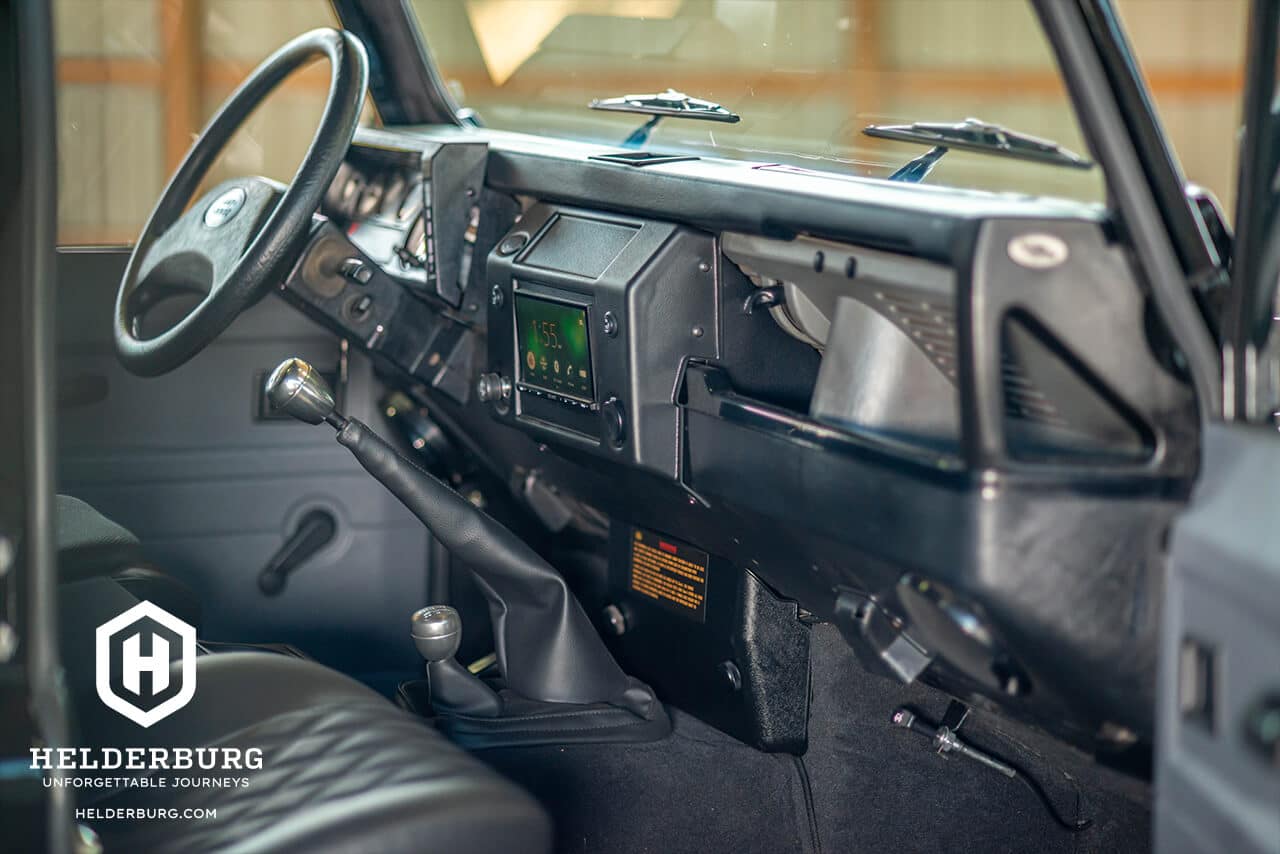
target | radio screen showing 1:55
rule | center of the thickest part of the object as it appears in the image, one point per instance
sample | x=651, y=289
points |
x=554, y=353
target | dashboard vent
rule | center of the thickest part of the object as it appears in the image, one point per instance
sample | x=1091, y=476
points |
x=1022, y=398
x=642, y=158
x=931, y=325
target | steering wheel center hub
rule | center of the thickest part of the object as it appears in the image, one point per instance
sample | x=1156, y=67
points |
x=224, y=208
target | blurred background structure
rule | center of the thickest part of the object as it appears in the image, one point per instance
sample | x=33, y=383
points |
x=138, y=78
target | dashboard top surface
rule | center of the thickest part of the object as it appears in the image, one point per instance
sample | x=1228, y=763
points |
x=760, y=198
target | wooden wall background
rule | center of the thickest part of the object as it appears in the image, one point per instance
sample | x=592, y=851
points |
x=139, y=77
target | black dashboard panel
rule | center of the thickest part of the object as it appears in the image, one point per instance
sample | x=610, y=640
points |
x=657, y=397
x=413, y=207
x=647, y=295
x=774, y=200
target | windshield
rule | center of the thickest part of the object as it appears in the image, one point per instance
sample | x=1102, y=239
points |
x=805, y=76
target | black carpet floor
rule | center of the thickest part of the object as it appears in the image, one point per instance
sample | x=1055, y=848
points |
x=863, y=786
x=697, y=790
x=880, y=788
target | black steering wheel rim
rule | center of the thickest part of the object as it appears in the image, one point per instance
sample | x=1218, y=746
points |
x=286, y=224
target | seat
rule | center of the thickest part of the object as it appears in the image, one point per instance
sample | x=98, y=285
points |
x=92, y=546
x=342, y=770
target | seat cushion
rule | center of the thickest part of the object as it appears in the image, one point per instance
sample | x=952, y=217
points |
x=342, y=770
x=90, y=544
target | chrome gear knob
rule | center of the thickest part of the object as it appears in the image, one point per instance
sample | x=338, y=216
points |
x=296, y=388
x=436, y=631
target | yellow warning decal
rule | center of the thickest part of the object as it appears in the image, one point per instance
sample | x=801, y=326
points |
x=672, y=573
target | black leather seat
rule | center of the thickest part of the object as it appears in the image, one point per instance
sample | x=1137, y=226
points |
x=342, y=770
x=92, y=546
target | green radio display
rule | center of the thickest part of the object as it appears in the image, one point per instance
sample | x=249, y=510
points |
x=554, y=353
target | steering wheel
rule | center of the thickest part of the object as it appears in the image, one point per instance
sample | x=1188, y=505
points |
x=235, y=243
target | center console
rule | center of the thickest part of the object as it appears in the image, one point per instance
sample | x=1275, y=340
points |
x=580, y=326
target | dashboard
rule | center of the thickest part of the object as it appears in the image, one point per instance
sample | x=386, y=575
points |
x=768, y=396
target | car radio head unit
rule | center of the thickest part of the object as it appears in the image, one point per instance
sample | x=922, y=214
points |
x=554, y=352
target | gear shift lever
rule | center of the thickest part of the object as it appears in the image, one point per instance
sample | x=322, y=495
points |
x=437, y=631
x=295, y=387
x=546, y=647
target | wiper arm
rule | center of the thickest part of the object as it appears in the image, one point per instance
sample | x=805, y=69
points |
x=660, y=106
x=972, y=135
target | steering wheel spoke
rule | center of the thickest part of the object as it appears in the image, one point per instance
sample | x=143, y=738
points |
x=232, y=245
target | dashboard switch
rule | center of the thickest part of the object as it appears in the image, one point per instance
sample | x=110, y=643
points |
x=614, y=420
x=355, y=270
x=359, y=309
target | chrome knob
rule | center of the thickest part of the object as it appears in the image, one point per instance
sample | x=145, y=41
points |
x=491, y=388
x=297, y=389
x=436, y=631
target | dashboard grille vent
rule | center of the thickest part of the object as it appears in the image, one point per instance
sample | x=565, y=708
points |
x=930, y=324
x=1022, y=398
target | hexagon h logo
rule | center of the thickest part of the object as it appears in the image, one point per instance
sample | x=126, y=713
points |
x=121, y=663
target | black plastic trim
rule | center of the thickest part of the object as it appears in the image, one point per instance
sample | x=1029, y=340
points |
x=32, y=686
x=403, y=80
x=1248, y=316
x=1191, y=239
x=721, y=195
x=1117, y=150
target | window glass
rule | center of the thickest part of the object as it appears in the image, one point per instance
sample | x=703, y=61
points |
x=805, y=75
x=138, y=79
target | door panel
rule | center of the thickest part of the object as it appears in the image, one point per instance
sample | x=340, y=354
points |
x=212, y=490
x=1217, y=783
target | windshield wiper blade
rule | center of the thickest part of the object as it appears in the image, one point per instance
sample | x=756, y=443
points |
x=661, y=105
x=973, y=135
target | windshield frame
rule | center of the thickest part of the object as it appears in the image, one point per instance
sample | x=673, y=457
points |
x=404, y=75
x=403, y=79
x=857, y=158
x=1104, y=67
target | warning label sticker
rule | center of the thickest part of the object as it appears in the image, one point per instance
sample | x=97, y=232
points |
x=672, y=573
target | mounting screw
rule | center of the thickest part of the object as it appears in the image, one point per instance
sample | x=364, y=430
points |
x=495, y=296
x=610, y=323
x=704, y=267
x=615, y=619
x=697, y=331
x=6, y=556
x=730, y=674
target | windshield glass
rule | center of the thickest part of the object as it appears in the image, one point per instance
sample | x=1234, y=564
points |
x=806, y=76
